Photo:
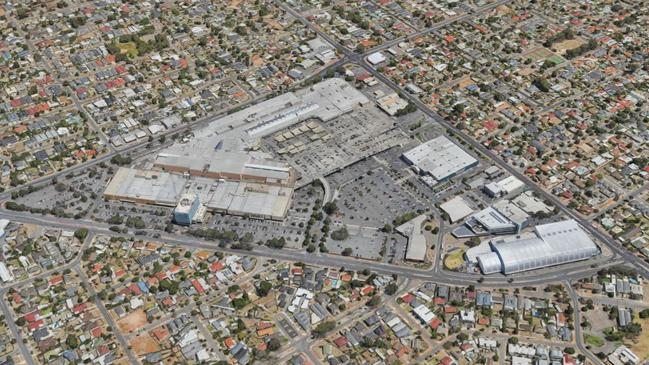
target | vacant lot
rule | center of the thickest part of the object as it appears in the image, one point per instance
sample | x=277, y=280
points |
x=641, y=345
x=536, y=54
x=144, y=344
x=454, y=259
x=593, y=340
x=128, y=49
x=133, y=321
x=562, y=47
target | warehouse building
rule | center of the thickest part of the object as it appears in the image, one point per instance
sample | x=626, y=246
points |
x=550, y=244
x=440, y=158
x=456, y=208
x=506, y=186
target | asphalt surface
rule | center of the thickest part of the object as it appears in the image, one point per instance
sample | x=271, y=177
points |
x=577, y=270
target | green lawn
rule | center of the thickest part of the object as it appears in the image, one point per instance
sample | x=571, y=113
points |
x=129, y=48
x=593, y=340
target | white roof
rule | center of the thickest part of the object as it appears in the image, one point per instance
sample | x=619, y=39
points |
x=551, y=244
x=424, y=313
x=376, y=58
x=416, y=250
x=440, y=157
x=457, y=208
x=510, y=184
x=492, y=219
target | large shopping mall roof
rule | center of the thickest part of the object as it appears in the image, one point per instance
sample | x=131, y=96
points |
x=550, y=244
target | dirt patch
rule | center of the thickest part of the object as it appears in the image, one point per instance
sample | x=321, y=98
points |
x=133, y=321
x=640, y=346
x=256, y=60
x=128, y=48
x=568, y=44
x=454, y=260
x=144, y=344
x=273, y=23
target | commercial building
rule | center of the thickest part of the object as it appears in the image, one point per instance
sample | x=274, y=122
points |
x=440, y=158
x=623, y=356
x=145, y=187
x=326, y=100
x=491, y=221
x=417, y=247
x=5, y=274
x=232, y=166
x=188, y=210
x=250, y=200
x=550, y=244
x=456, y=208
x=506, y=186
x=504, y=217
x=376, y=58
x=185, y=193
x=391, y=103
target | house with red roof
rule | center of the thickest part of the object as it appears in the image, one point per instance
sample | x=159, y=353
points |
x=341, y=341
x=199, y=288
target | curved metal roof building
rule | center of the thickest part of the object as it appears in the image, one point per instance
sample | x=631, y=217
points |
x=550, y=244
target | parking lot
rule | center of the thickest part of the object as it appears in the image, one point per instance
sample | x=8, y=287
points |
x=326, y=147
x=71, y=195
x=375, y=199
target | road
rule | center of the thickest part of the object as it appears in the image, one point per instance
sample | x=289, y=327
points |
x=9, y=313
x=579, y=336
x=630, y=258
x=575, y=271
x=109, y=319
x=11, y=323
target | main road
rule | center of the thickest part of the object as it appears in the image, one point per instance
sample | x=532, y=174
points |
x=574, y=271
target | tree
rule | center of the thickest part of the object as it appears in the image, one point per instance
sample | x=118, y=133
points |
x=115, y=219
x=340, y=234
x=644, y=313
x=274, y=344
x=72, y=341
x=374, y=301
x=347, y=251
x=264, y=288
x=81, y=234
x=542, y=84
x=323, y=327
x=391, y=289
x=330, y=208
